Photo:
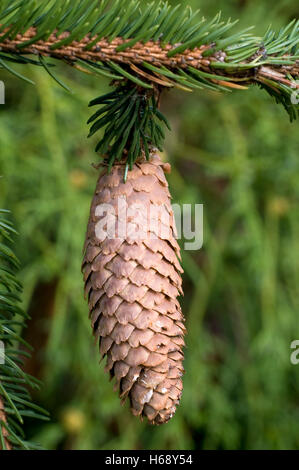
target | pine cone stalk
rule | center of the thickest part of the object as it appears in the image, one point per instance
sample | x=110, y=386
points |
x=132, y=280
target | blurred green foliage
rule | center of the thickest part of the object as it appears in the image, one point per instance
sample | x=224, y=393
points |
x=235, y=153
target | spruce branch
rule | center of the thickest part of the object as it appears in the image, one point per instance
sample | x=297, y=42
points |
x=150, y=47
x=15, y=399
x=173, y=40
x=251, y=71
x=4, y=441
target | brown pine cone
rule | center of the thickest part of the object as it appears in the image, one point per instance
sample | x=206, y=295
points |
x=132, y=284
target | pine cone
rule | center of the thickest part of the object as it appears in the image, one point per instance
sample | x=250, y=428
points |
x=132, y=284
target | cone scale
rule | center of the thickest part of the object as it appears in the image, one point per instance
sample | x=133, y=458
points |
x=132, y=278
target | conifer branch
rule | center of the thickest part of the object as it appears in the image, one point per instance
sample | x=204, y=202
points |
x=4, y=443
x=15, y=399
x=150, y=47
x=106, y=51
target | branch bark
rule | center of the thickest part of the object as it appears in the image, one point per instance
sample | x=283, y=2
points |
x=151, y=52
x=4, y=430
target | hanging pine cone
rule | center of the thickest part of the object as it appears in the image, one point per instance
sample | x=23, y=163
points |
x=3, y=422
x=132, y=284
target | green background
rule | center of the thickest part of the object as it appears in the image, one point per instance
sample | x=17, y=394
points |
x=235, y=153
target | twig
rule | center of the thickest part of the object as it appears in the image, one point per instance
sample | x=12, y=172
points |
x=3, y=428
x=150, y=52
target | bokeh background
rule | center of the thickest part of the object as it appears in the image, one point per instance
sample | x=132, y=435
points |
x=237, y=154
